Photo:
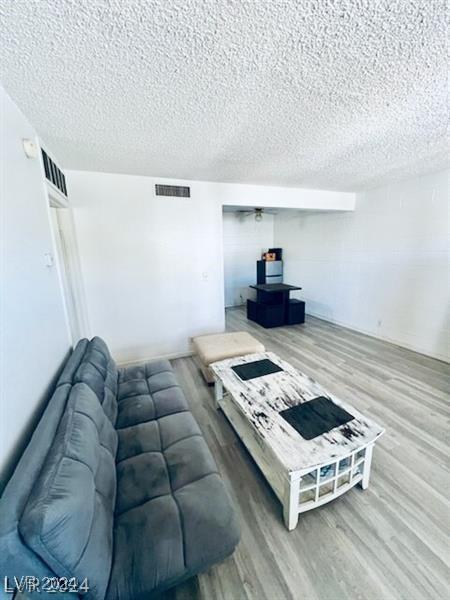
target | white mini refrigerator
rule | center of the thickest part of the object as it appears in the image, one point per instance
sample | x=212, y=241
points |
x=269, y=271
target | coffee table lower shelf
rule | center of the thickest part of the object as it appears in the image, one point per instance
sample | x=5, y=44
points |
x=303, y=490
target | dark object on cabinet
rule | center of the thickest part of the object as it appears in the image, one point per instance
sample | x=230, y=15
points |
x=278, y=253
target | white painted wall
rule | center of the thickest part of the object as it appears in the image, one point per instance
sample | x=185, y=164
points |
x=383, y=269
x=153, y=266
x=34, y=335
x=244, y=239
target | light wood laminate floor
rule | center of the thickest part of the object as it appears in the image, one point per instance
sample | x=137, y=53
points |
x=388, y=542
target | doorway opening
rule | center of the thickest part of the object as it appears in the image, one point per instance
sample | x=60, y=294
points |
x=66, y=259
x=248, y=233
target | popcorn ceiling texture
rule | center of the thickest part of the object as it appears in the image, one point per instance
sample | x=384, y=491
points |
x=340, y=94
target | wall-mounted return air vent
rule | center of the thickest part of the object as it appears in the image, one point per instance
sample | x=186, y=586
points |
x=173, y=190
x=53, y=173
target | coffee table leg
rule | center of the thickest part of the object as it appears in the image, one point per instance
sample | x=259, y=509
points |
x=218, y=391
x=290, y=507
x=366, y=467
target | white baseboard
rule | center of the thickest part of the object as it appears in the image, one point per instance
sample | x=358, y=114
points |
x=141, y=361
x=394, y=341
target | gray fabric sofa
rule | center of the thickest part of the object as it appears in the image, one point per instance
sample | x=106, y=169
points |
x=117, y=485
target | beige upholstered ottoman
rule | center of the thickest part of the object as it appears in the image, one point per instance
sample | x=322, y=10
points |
x=220, y=346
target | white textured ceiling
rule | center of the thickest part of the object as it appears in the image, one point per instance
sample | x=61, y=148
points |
x=336, y=94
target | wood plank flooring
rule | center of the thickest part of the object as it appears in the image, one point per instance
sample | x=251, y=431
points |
x=386, y=543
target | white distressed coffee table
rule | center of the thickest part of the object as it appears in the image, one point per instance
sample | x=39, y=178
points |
x=303, y=473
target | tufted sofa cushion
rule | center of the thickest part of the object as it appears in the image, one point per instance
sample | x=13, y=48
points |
x=173, y=514
x=68, y=519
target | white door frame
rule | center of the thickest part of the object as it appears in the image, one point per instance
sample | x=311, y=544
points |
x=68, y=266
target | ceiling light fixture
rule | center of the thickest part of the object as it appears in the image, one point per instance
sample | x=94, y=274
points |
x=258, y=212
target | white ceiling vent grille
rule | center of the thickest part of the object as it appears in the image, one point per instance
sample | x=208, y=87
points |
x=173, y=190
x=53, y=173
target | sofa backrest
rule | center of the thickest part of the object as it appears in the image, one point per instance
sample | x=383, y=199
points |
x=68, y=519
x=99, y=371
x=17, y=557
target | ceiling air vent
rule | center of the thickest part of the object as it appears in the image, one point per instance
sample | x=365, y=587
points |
x=53, y=173
x=173, y=190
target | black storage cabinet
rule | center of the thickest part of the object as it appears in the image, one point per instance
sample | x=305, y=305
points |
x=296, y=312
x=267, y=315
